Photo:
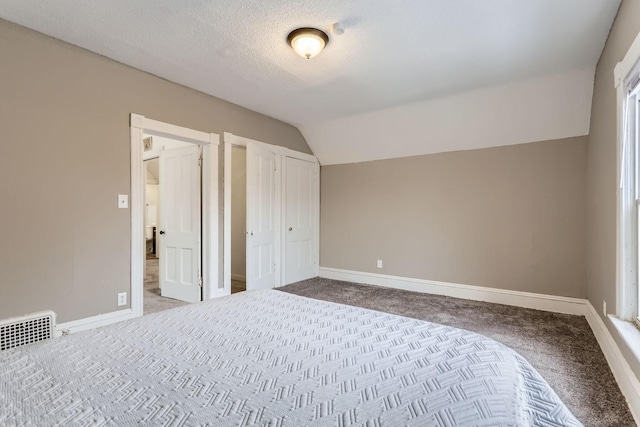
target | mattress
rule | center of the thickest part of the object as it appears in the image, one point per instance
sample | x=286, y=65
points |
x=269, y=358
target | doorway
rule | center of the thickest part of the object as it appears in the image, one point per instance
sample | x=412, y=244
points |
x=238, y=219
x=281, y=221
x=172, y=223
x=208, y=283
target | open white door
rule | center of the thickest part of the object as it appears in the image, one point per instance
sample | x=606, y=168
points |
x=262, y=218
x=301, y=188
x=180, y=224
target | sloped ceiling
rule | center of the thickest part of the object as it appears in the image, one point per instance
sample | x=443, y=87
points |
x=395, y=66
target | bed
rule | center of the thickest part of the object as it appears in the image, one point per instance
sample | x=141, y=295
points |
x=270, y=358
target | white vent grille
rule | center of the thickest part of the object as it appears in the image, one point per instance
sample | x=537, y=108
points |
x=20, y=331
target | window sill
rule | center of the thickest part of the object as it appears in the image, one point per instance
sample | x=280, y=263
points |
x=629, y=333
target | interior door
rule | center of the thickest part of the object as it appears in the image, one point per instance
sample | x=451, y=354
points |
x=262, y=218
x=300, y=218
x=180, y=224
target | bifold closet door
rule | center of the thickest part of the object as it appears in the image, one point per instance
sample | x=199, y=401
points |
x=262, y=218
x=301, y=187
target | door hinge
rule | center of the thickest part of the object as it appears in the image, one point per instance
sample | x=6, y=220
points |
x=200, y=281
x=200, y=161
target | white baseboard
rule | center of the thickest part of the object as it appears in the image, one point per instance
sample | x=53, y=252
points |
x=626, y=379
x=238, y=277
x=544, y=302
x=93, y=322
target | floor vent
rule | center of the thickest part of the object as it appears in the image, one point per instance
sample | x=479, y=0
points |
x=19, y=331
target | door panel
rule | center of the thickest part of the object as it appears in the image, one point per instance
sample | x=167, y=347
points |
x=300, y=220
x=262, y=223
x=180, y=224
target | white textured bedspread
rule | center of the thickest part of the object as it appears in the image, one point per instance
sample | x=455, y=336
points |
x=271, y=358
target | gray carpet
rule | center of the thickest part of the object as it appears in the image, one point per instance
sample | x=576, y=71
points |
x=560, y=346
x=153, y=302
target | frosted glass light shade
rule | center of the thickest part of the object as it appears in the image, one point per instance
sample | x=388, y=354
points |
x=307, y=42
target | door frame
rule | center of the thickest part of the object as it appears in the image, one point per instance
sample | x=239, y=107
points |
x=231, y=140
x=210, y=257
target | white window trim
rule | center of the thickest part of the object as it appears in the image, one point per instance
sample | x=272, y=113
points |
x=626, y=252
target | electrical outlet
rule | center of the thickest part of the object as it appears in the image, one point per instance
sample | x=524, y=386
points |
x=379, y=263
x=122, y=299
x=604, y=308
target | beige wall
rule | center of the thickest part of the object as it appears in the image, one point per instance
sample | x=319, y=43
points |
x=509, y=217
x=602, y=165
x=64, y=129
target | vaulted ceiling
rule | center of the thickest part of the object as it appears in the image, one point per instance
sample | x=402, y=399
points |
x=407, y=77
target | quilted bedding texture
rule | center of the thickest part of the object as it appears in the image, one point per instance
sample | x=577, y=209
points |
x=274, y=359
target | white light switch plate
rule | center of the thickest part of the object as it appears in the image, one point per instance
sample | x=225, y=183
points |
x=123, y=201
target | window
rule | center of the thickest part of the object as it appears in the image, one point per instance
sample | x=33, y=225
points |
x=627, y=74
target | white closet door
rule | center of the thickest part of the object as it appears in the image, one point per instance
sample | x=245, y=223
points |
x=180, y=224
x=262, y=218
x=301, y=208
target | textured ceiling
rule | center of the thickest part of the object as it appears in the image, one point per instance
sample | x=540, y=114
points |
x=392, y=53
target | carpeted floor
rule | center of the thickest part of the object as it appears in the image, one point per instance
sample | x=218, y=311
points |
x=153, y=302
x=560, y=346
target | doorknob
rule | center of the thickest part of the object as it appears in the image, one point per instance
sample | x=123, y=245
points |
x=290, y=228
x=161, y=232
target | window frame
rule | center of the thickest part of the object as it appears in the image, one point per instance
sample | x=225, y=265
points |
x=628, y=188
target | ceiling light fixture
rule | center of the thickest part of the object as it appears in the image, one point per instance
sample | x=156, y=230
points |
x=307, y=42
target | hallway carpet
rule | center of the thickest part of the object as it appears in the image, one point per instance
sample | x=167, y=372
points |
x=153, y=302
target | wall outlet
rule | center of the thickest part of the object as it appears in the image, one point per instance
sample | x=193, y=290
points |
x=122, y=299
x=379, y=263
x=604, y=308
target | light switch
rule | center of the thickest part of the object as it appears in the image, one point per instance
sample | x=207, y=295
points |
x=123, y=201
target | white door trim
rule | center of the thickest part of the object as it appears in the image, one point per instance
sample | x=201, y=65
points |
x=240, y=141
x=209, y=142
x=231, y=140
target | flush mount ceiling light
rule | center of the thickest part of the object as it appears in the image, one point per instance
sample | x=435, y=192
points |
x=307, y=42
